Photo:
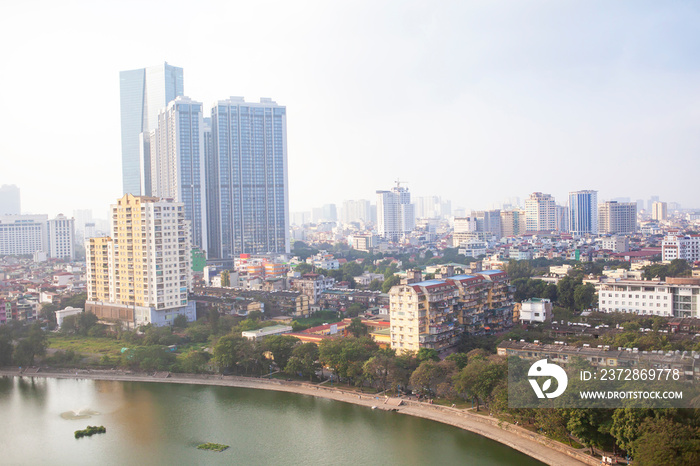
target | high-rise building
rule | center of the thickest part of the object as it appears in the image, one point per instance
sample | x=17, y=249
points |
x=617, y=217
x=143, y=272
x=177, y=162
x=248, y=178
x=395, y=213
x=356, y=211
x=143, y=93
x=513, y=222
x=488, y=221
x=540, y=212
x=23, y=234
x=651, y=201
x=583, y=212
x=659, y=211
x=561, y=218
x=10, y=200
x=61, y=237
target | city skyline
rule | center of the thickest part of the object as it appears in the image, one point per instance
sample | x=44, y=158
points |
x=521, y=98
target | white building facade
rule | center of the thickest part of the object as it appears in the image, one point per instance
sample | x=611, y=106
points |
x=61, y=238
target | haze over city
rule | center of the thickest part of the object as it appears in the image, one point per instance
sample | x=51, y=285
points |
x=475, y=102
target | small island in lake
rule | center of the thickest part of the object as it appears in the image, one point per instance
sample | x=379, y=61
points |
x=91, y=430
x=212, y=447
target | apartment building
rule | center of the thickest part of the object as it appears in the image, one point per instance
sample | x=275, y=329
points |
x=433, y=313
x=142, y=273
x=675, y=297
x=678, y=246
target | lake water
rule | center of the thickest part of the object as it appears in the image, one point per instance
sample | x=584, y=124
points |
x=162, y=424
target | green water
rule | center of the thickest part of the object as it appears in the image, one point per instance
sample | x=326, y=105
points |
x=154, y=424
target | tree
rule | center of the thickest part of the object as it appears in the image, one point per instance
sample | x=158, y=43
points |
x=357, y=328
x=434, y=378
x=428, y=354
x=6, y=348
x=225, y=279
x=584, y=296
x=304, y=361
x=478, y=379
x=193, y=361
x=149, y=358
x=31, y=346
x=233, y=351
x=281, y=347
x=460, y=359
x=590, y=426
x=664, y=441
x=180, y=321
x=565, y=291
x=379, y=366
x=393, y=280
x=375, y=285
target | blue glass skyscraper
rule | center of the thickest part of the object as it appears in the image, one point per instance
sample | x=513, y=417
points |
x=583, y=212
x=143, y=93
x=247, y=179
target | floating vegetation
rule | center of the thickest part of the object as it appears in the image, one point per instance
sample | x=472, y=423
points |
x=91, y=430
x=212, y=447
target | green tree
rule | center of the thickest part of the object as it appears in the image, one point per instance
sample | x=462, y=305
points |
x=375, y=285
x=234, y=351
x=180, y=321
x=357, y=328
x=584, y=296
x=428, y=354
x=193, y=361
x=590, y=426
x=565, y=291
x=434, y=378
x=225, y=279
x=378, y=367
x=281, y=347
x=6, y=348
x=665, y=441
x=304, y=361
x=34, y=344
x=393, y=280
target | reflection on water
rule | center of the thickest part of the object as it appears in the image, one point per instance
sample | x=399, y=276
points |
x=84, y=413
x=156, y=423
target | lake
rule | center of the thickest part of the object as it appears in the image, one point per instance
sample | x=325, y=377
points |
x=162, y=423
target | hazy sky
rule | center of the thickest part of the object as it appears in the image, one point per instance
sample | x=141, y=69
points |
x=474, y=101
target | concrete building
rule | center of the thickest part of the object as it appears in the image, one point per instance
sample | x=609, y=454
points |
x=488, y=221
x=249, y=201
x=356, y=211
x=10, y=200
x=540, y=212
x=68, y=311
x=615, y=243
x=177, y=162
x=142, y=273
x=678, y=246
x=395, y=213
x=659, y=211
x=675, y=297
x=23, y=234
x=433, y=313
x=61, y=238
x=617, y=218
x=583, y=212
x=513, y=223
x=261, y=333
x=312, y=285
x=143, y=93
x=536, y=310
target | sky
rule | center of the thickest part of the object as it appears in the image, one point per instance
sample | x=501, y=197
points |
x=473, y=101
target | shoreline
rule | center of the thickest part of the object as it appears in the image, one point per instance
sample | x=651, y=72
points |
x=530, y=443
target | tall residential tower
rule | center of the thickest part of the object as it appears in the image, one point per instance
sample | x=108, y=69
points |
x=142, y=273
x=249, y=202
